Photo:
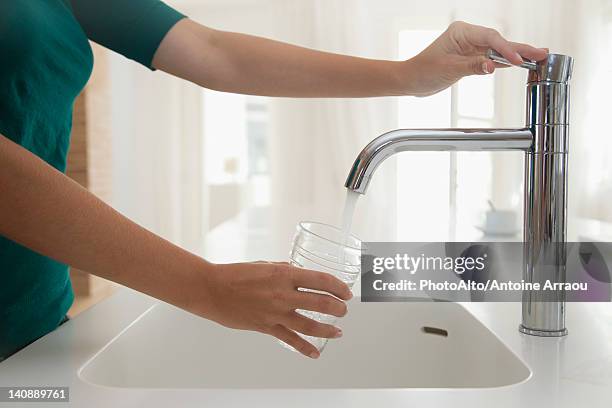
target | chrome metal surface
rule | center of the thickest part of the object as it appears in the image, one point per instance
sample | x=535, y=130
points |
x=495, y=56
x=546, y=103
x=546, y=146
x=555, y=68
x=542, y=333
x=550, y=138
x=401, y=140
x=544, y=249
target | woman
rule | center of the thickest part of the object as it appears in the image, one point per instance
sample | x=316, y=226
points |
x=47, y=221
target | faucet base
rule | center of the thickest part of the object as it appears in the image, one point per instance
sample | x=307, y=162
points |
x=542, y=333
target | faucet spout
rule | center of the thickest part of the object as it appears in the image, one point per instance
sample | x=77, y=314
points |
x=395, y=141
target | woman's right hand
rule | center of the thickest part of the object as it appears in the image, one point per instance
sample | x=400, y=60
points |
x=264, y=296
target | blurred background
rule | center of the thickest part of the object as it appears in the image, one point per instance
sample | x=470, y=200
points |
x=211, y=171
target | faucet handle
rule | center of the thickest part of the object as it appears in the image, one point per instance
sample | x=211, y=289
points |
x=555, y=68
x=495, y=56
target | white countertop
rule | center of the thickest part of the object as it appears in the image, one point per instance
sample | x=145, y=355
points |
x=566, y=372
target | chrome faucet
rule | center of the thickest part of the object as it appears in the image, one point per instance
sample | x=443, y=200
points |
x=545, y=143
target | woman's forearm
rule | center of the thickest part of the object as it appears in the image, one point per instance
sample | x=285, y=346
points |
x=49, y=213
x=246, y=64
x=239, y=63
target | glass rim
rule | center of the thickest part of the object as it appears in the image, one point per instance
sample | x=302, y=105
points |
x=336, y=265
x=303, y=227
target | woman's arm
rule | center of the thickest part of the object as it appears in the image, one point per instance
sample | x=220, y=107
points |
x=240, y=63
x=47, y=212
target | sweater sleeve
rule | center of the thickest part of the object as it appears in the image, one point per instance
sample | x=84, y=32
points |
x=133, y=28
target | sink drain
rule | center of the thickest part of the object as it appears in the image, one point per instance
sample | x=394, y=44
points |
x=434, y=330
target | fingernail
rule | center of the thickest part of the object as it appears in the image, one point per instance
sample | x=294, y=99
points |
x=314, y=354
x=338, y=334
x=485, y=68
x=519, y=56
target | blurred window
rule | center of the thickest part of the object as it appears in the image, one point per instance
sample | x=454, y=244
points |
x=433, y=187
x=235, y=129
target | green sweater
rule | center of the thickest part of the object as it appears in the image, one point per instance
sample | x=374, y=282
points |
x=45, y=61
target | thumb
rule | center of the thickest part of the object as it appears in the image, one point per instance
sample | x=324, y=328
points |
x=480, y=65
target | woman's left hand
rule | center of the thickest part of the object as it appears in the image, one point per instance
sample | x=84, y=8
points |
x=460, y=51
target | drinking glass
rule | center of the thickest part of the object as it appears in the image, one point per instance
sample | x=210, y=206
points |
x=328, y=249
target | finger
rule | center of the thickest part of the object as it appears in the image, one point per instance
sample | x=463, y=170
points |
x=291, y=338
x=500, y=65
x=325, y=282
x=311, y=327
x=478, y=66
x=488, y=37
x=272, y=262
x=321, y=303
x=529, y=52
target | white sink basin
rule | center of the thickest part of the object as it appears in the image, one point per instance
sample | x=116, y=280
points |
x=384, y=346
